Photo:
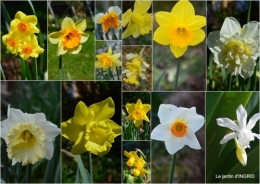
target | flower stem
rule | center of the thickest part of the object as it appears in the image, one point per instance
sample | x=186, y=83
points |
x=177, y=75
x=60, y=67
x=90, y=165
x=172, y=168
x=36, y=71
x=249, y=11
x=2, y=73
x=28, y=173
x=229, y=82
x=5, y=158
x=117, y=73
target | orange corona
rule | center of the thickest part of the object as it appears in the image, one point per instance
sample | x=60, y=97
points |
x=179, y=129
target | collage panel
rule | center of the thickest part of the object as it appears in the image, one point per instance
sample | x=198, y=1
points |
x=30, y=132
x=232, y=133
x=24, y=42
x=233, y=47
x=179, y=46
x=178, y=121
x=71, y=40
x=136, y=115
x=91, y=131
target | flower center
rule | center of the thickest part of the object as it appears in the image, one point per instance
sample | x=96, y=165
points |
x=138, y=114
x=27, y=135
x=110, y=19
x=236, y=49
x=22, y=27
x=72, y=39
x=181, y=36
x=27, y=50
x=179, y=129
x=11, y=42
x=105, y=60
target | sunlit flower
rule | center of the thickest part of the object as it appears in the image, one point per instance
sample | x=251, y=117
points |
x=12, y=42
x=106, y=60
x=242, y=131
x=91, y=128
x=236, y=49
x=110, y=19
x=241, y=153
x=137, y=112
x=29, y=137
x=180, y=28
x=132, y=157
x=138, y=21
x=178, y=127
x=70, y=37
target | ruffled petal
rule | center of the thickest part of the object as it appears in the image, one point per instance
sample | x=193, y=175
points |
x=115, y=127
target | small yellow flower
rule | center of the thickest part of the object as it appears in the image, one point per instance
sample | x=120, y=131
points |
x=132, y=157
x=180, y=28
x=106, y=60
x=91, y=128
x=138, y=21
x=241, y=153
x=12, y=42
x=137, y=112
x=70, y=37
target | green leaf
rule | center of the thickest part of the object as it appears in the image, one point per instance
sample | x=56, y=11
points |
x=82, y=170
x=157, y=82
x=69, y=76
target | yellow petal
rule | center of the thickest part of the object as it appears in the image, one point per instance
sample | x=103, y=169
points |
x=81, y=25
x=137, y=31
x=126, y=17
x=178, y=51
x=115, y=56
x=79, y=146
x=129, y=30
x=115, y=127
x=109, y=50
x=161, y=35
x=76, y=50
x=61, y=49
x=67, y=23
x=82, y=114
x=141, y=6
x=13, y=25
x=130, y=107
x=139, y=104
x=138, y=122
x=146, y=108
x=183, y=10
x=146, y=118
x=31, y=19
x=55, y=37
x=166, y=18
x=199, y=36
x=196, y=22
x=19, y=15
x=84, y=37
x=70, y=130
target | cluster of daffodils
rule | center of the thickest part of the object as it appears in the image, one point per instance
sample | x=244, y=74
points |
x=21, y=38
x=179, y=28
x=235, y=48
x=135, y=69
x=70, y=37
x=137, y=22
x=241, y=132
x=29, y=137
x=137, y=112
x=106, y=60
x=91, y=128
x=178, y=127
x=136, y=162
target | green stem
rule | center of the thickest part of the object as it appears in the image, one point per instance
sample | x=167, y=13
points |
x=249, y=11
x=28, y=173
x=90, y=165
x=172, y=168
x=177, y=74
x=60, y=67
x=229, y=82
x=18, y=171
x=2, y=73
x=6, y=165
x=117, y=73
x=36, y=71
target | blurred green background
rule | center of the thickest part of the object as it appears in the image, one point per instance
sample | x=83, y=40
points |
x=190, y=163
x=33, y=97
x=81, y=65
x=106, y=168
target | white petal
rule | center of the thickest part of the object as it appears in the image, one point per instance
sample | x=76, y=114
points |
x=228, y=137
x=4, y=128
x=98, y=17
x=167, y=113
x=34, y=118
x=131, y=56
x=230, y=27
x=15, y=116
x=115, y=9
x=191, y=140
x=173, y=145
x=13, y=161
x=241, y=116
x=248, y=66
x=251, y=30
x=225, y=122
x=212, y=38
x=253, y=121
x=146, y=65
x=143, y=76
x=125, y=71
x=50, y=150
x=161, y=133
x=50, y=130
x=256, y=135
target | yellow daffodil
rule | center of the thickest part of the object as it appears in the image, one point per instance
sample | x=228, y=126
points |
x=106, y=60
x=138, y=21
x=137, y=112
x=180, y=28
x=12, y=42
x=110, y=19
x=91, y=128
x=132, y=157
x=29, y=137
x=241, y=153
x=70, y=37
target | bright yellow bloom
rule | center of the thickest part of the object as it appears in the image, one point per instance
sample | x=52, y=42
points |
x=91, y=128
x=180, y=28
x=132, y=157
x=110, y=19
x=241, y=153
x=137, y=112
x=138, y=21
x=70, y=37
x=106, y=60
x=12, y=42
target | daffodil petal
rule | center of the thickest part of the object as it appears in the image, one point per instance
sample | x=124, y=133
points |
x=173, y=145
x=115, y=127
x=166, y=19
x=167, y=113
x=146, y=108
x=67, y=23
x=82, y=114
x=183, y=9
x=50, y=150
x=115, y=9
x=76, y=50
x=146, y=118
x=32, y=19
x=230, y=27
x=15, y=116
x=98, y=17
x=142, y=6
x=253, y=121
x=225, y=122
x=161, y=133
x=241, y=116
x=161, y=35
x=247, y=68
x=191, y=140
x=116, y=56
x=251, y=30
x=130, y=108
x=79, y=146
x=196, y=22
x=137, y=31
x=19, y=15
x=129, y=30
x=81, y=25
x=61, y=49
x=70, y=130
x=109, y=50
x=138, y=122
x=178, y=51
x=126, y=17
x=199, y=36
x=228, y=137
x=211, y=40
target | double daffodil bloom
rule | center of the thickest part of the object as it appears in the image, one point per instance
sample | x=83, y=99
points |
x=180, y=28
x=137, y=112
x=70, y=37
x=241, y=153
x=91, y=128
x=106, y=60
x=138, y=21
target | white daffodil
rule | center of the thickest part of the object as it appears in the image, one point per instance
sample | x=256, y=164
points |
x=241, y=153
x=29, y=137
x=178, y=127
x=235, y=49
x=242, y=131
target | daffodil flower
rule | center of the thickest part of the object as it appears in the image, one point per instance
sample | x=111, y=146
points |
x=12, y=42
x=70, y=37
x=137, y=112
x=241, y=153
x=180, y=28
x=242, y=131
x=91, y=128
x=138, y=21
x=106, y=60
x=29, y=137
x=132, y=157
x=236, y=49
x=178, y=127
x=110, y=19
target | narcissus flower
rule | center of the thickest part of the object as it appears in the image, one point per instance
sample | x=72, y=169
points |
x=132, y=157
x=12, y=42
x=29, y=137
x=242, y=130
x=178, y=127
x=236, y=49
x=137, y=112
x=91, y=128
x=70, y=37
x=180, y=28
x=138, y=21
x=106, y=60
x=241, y=153
x=110, y=19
